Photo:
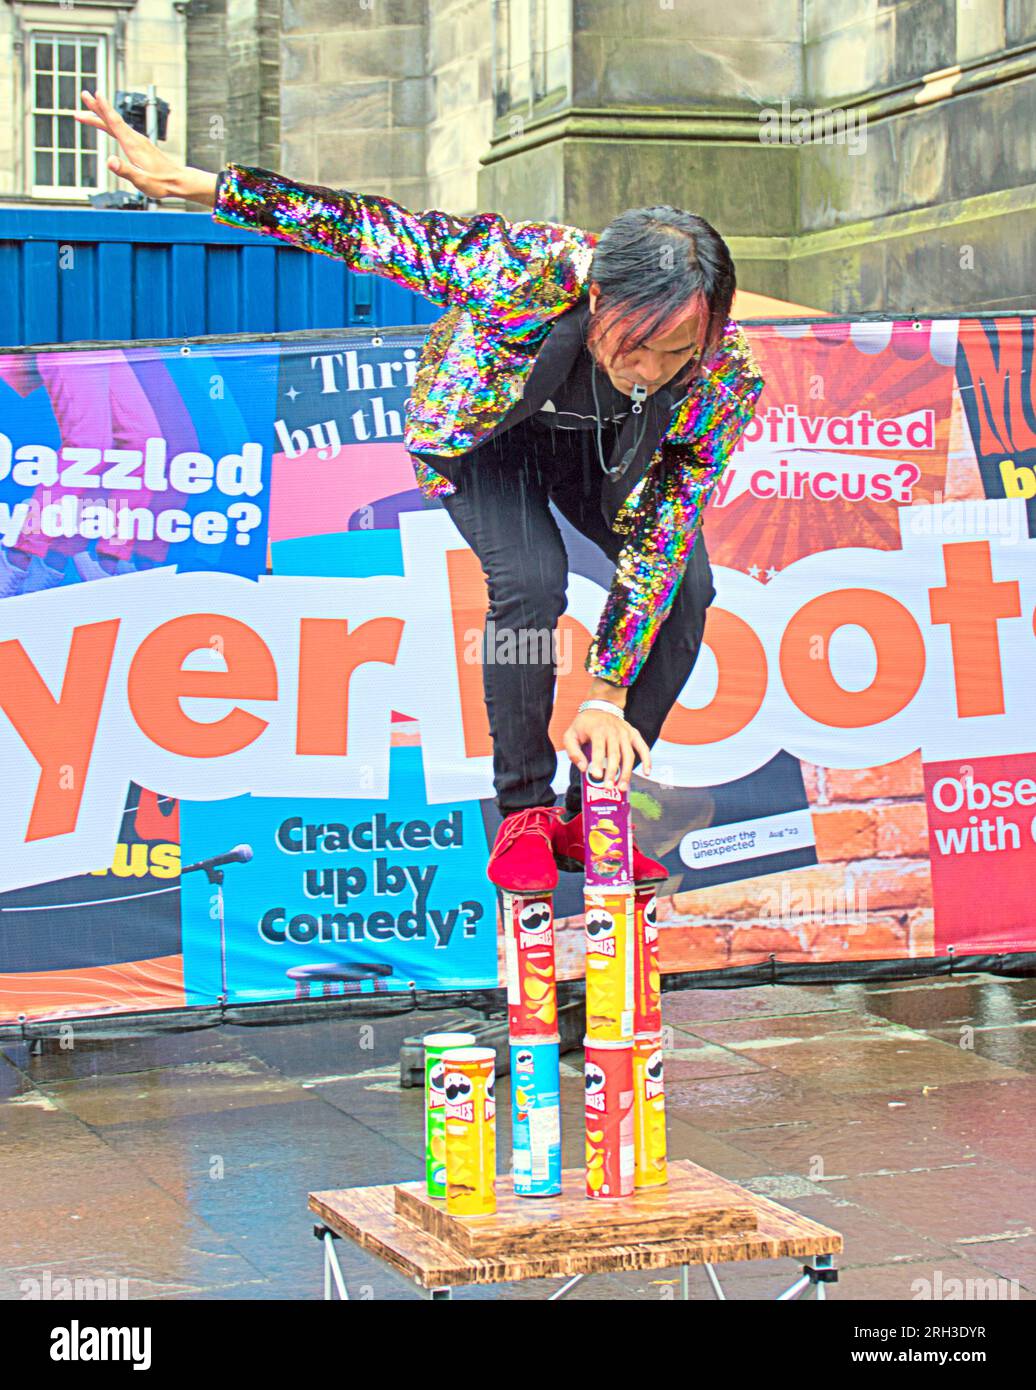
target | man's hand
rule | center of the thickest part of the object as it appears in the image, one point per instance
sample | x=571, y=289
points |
x=144, y=165
x=613, y=745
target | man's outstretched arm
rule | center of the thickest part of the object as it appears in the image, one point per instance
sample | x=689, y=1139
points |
x=506, y=271
x=423, y=252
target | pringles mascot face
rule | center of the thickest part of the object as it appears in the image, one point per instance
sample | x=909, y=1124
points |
x=535, y=917
x=608, y=979
x=654, y=1074
x=524, y=1067
x=600, y=932
x=594, y=1086
x=436, y=1077
x=457, y=1087
x=532, y=991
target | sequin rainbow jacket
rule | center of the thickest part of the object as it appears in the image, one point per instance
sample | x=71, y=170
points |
x=502, y=285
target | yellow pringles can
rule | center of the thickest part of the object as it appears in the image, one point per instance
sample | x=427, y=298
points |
x=649, y=1140
x=609, y=925
x=469, y=1077
x=435, y=1044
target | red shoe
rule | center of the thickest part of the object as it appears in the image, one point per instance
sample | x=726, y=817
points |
x=570, y=852
x=522, y=860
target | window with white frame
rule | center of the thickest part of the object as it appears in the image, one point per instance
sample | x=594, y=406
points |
x=63, y=156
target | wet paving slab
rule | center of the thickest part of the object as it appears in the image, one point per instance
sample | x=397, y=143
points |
x=690, y=1059
x=934, y=1004
x=772, y=1001
x=899, y=1114
x=853, y=1147
x=870, y=1058
x=980, y=1203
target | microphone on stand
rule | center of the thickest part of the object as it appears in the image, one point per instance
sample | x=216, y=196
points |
x=240, y=854
x=213, y=867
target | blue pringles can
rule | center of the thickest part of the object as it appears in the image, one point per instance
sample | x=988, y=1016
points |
x=536, y=1117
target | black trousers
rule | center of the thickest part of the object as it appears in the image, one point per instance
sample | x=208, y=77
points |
x=501, y=509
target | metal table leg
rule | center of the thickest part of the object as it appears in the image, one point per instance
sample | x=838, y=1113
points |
x=332, y=1269
x=819, y=1272
x=569, y=1284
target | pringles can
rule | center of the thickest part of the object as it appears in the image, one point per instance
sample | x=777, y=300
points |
x=607, y=834
x=536, y=1117
x=435, y=1044
x=469, y=1083
x=610, y=1160
x=649, y=1146
x=647, y=976
x=609, y=925
x=532, y=999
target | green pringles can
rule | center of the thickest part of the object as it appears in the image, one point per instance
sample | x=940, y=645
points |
x=435, y=1044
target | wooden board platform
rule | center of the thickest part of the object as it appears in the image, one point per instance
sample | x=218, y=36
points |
x=690, y=1204
x=368, y=1216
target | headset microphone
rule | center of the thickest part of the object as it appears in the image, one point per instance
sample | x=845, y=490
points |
x=638, y=395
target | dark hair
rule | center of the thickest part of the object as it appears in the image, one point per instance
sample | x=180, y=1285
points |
x=655, y=266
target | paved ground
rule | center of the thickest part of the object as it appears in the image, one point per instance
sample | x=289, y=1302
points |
x=902, y=1115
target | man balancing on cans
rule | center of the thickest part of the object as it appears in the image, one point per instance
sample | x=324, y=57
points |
x=600, y=373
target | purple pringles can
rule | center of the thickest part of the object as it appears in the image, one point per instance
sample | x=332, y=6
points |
x=607, y=834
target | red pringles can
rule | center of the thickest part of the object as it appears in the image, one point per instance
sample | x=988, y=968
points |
x=607, y=834
x=532, y=997
x=610, y=1160
x=647, y=975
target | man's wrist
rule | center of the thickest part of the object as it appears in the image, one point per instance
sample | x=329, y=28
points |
x=604, y=706
x=604, y=690
x=197, y=186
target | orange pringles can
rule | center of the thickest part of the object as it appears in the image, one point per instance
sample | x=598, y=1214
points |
x=469, y=1077
x=647, y=975
x=610, y=1159
x=609, y=925
x=649, y=1142
x=532, y=997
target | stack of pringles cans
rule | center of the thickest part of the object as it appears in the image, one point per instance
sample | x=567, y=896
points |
x=625, y=1096
x=624, y=1092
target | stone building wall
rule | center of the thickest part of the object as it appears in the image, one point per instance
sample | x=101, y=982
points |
x=459, y=101
x=234, y=82
x=353, y=95
x=927, y=209
x=935, y=212
x=207, y=84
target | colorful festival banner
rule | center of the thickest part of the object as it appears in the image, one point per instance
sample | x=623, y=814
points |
x=231, y=626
